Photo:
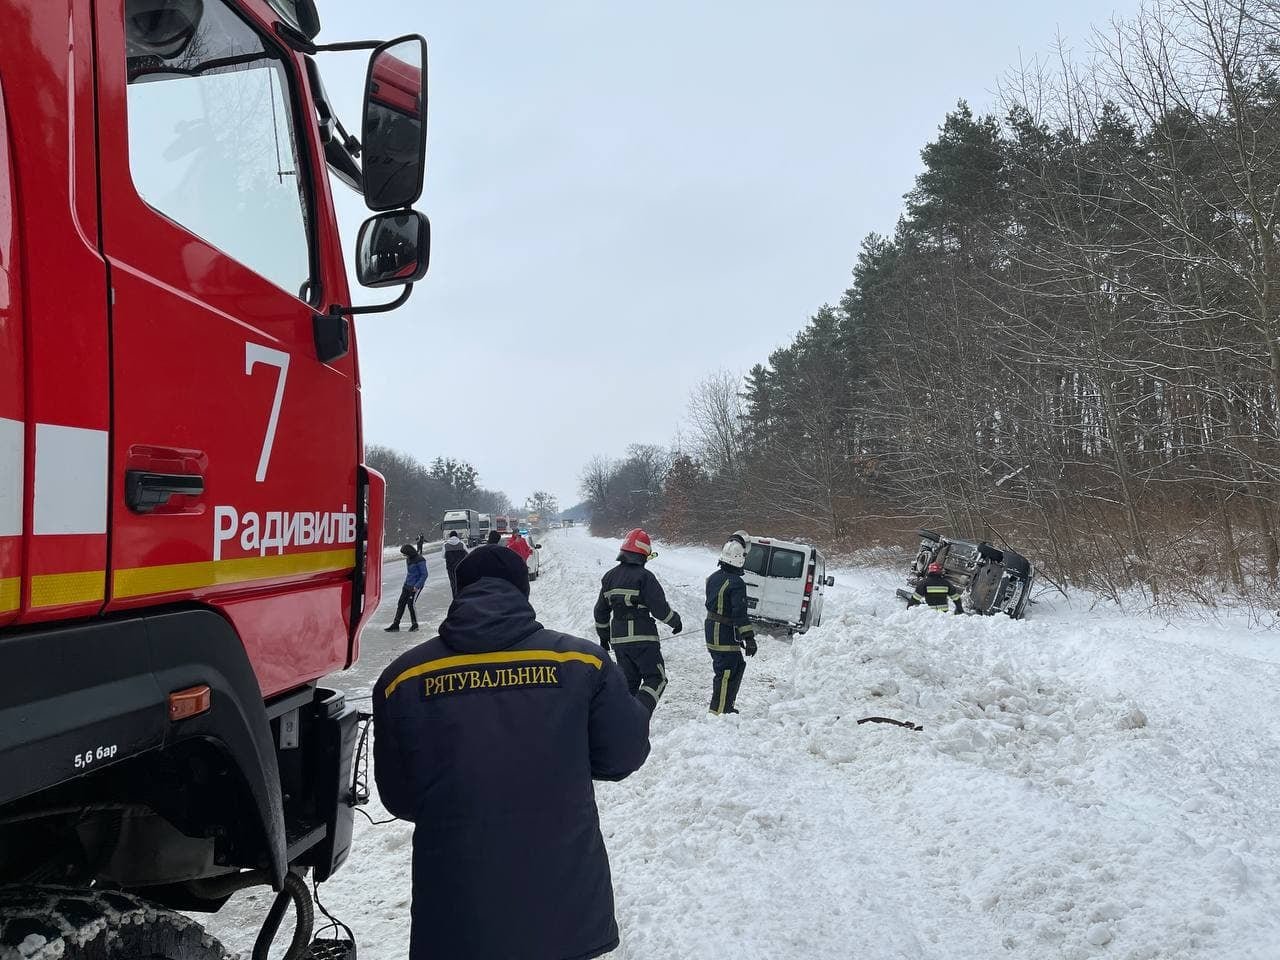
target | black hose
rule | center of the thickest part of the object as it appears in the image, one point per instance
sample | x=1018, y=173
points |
x=896, y=723
x=296, y=890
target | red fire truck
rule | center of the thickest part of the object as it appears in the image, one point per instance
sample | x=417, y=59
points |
x=189, y=539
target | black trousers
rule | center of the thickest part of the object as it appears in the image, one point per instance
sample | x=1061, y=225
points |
x=728, y=666
x=646, y=672
x=407, y=596
x=452, y=570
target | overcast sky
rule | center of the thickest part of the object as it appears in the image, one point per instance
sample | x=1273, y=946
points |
x=625, y=197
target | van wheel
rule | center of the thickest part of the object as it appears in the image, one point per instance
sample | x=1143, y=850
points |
x=61, y=923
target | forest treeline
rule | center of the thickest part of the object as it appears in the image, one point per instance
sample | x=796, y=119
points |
x=1070, y=343
x=418, y=494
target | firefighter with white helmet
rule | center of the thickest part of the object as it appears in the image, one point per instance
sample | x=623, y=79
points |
x=728, y=627
x=631, y=602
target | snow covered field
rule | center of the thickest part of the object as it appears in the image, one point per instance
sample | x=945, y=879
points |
x=1086, y=785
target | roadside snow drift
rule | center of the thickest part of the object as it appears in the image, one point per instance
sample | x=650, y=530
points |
x=1086, y=785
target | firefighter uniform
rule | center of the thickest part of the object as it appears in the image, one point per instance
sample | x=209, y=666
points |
x=630, y=603
x=487, y=739
x=936, y=592
x=729, y=632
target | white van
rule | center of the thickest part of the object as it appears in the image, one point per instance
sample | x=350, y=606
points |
x=785, y=583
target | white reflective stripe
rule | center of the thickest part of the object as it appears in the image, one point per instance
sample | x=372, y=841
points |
x=11, y=460
x=71, y=480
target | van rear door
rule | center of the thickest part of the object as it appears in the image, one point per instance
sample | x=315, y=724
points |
x=784, y=584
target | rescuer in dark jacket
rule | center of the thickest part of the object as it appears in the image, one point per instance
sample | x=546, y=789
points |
x=630, y=600
x=487, y=738
x=415, y=579
x=936, y=592
x=728, y=627
x=455, y=551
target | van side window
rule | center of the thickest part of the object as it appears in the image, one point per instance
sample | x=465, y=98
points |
x=787, y=564
x=211, y=135
x=757, y=558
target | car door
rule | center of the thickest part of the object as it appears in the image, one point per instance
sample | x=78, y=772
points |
x=210, y=208
x=784, y=584
x=753, y=574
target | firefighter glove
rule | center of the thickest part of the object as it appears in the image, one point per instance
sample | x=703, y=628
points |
x=603, y=634
x=677, y=625
x=750, y=644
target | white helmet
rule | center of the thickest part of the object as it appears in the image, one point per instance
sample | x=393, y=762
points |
x=733, y=555
x=742, y=537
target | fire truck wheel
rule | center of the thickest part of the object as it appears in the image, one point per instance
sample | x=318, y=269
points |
x=61, y=923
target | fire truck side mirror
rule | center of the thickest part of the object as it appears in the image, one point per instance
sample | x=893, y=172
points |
x=394, y=132
x=393, y=248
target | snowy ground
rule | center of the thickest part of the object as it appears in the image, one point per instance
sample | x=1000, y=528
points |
x=1087, y=785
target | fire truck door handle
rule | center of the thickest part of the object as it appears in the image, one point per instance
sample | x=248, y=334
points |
x=144, y=490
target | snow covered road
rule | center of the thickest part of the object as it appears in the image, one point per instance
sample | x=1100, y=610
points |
x=1086, y=785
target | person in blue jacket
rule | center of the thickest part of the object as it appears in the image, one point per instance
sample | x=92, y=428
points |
x=415, y=579
x=487, y=738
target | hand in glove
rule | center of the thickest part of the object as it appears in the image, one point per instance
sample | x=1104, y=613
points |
x=676, y=624
x=603, y=634
x=749, y=642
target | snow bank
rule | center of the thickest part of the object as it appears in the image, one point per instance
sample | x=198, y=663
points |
x=1086, y=785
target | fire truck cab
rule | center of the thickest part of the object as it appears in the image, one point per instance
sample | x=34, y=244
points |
x=190, y=541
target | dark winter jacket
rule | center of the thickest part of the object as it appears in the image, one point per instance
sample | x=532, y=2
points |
x=630, y=600
x=416, y=576
x=455, y=551
x=935, y=590
x=487, y=738
x=728, y=624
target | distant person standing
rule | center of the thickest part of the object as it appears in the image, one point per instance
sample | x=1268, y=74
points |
x=521, y=546
x=630, y=602
x=728, y=626
x=494, y=539
x=455, y=551
x=415, y=579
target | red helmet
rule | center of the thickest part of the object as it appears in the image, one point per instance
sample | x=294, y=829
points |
x=935, y=567
x=637, y=541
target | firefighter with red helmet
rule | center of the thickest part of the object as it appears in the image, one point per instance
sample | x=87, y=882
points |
x=935, y=591
x=631, y=602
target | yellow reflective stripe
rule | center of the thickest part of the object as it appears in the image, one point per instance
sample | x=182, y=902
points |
x=937, y=589
x=723, y=647
x=502, y=656
x=720, y=597
x=724, y=691
x=10, y=594
x=667, y=618
x=172, y=577
x=64, y=589
x=635, y=638
x=601, y=626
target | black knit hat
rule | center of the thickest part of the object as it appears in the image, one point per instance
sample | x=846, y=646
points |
x=499, y=562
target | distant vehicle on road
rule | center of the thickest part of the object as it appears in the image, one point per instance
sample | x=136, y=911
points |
x=466, y=522
x=990, y=580
x=486, y=523
x=502, y=525
x=785, y=584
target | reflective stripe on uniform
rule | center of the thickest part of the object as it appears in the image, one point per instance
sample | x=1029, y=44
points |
x=662, y=685
x=723, y=647
x=634, y=638
x=724, y=690
x=623, y=592
x=668, y=617
x=504, y=656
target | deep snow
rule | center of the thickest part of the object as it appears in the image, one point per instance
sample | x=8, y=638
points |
x=1087, y=784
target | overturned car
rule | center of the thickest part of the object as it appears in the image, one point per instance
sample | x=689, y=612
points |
x=990, y=580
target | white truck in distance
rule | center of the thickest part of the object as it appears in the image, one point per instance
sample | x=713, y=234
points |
x=465, y=522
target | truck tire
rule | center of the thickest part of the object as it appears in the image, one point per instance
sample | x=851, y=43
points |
x=44, y=923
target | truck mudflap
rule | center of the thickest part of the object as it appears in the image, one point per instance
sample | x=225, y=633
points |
x=79, y=697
